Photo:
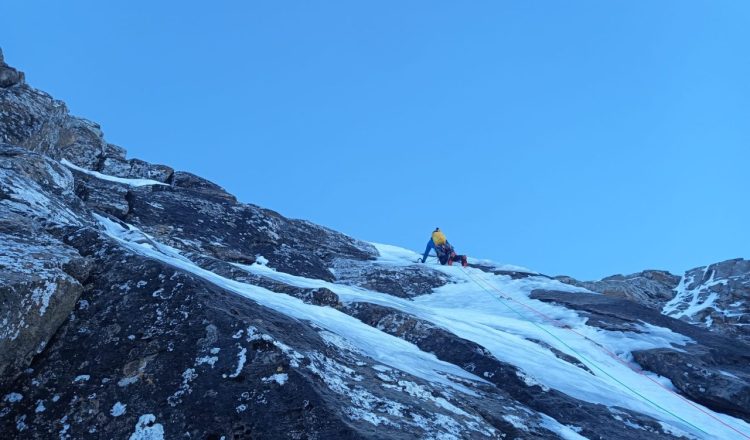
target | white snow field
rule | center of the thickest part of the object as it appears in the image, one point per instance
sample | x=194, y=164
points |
x=472, y=307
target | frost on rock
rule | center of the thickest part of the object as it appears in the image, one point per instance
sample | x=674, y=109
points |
x=187, y=376
x=279, y=378
x=516, y=421
x=118, y=409
x=12, y=397
x=210, y=360
x=148, y=429
x=241, y=359
x=21, y=423
x=42, y=295
x=128, y=381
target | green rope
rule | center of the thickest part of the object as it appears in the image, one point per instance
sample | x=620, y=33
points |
x=593, y=364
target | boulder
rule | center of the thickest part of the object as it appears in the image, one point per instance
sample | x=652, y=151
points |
x=42, y=280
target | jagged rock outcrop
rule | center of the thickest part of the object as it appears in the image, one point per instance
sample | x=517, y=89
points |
x=652, y=288
x=135, y=168
x=33, y=119
x=8, y=75
x=41, y=276
x=715, y=297
x=182, y=179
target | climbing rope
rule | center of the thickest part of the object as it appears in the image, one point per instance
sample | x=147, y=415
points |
x=562, y=325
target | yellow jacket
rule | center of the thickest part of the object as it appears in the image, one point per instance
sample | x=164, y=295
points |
x=438, y=238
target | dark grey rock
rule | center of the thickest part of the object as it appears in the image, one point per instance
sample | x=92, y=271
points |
x=39, y=289
x=317, y=296
x=135, y=169
x=513, y=274
x=652, y=288
x=182, y=179
x=8, y=75
x=716, y=297
x=34, y=120
x=711, y=366
x=41, y=277
x=725, y=389
x=102, y=195
x=402, y=282
x=37, y=190
x=238, y=233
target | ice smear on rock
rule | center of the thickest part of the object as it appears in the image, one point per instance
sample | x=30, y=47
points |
x=147, y=429
x=118, y=409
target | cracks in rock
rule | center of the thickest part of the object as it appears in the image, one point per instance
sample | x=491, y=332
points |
x=170, y=179
x=100, y=162
x=130, y=200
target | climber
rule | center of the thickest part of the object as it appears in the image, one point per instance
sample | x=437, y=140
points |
x=444, y=250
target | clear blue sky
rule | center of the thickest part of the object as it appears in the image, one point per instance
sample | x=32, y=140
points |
x=573, y=137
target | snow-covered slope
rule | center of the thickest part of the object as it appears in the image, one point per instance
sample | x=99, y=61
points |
x=139, y=302
x=476, y=306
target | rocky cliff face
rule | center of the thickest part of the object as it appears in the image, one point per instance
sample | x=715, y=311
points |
x=141, y=302
x=715, y=297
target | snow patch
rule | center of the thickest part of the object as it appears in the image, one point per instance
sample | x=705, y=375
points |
x=279, y=378
x=42, y=295
x=118, y=409
x=241, y=359
x=13, y=397
x=122, y=180
x=565, y=432
x=210, y=360
x=147, y=429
